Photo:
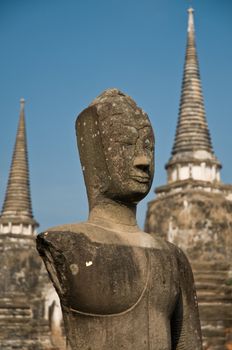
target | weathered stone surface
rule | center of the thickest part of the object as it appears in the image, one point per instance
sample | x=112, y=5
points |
x=22, y=322
x=200, y=223
x=119, y=287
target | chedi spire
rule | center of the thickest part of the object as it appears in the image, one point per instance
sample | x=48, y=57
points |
x=16, y=216
x=192, y=152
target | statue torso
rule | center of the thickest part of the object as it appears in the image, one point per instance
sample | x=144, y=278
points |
x=117, y=288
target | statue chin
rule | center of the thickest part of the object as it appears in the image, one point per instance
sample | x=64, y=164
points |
x=131, y=193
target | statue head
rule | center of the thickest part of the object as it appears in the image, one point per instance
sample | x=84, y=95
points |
x=116, y=147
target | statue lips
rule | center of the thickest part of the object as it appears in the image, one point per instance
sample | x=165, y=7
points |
x=141, y=177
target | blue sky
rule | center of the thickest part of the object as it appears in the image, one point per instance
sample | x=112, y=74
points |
x=60, y=54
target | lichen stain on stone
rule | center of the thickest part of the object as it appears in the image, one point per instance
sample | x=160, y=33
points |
x=74, y=269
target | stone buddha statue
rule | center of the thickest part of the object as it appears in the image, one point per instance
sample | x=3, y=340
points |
x=119, y=287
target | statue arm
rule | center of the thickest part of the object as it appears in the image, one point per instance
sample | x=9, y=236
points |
x=50, y=258
x=185, y=322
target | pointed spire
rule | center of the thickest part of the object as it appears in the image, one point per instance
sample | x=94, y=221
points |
x=192, y=131
x=17, y=205
x=192, y=153
x=192, y=139
x=191, y=20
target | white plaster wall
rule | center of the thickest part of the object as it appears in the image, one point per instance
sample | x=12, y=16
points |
x=4, y=229
x=218, y=176
x=229, y=197
x=197, y=172
x=174, y=175
x=17, y=229
x=53, y=314
x=208, y=174
x=184, y=173
x=52, y=299
x=205, y=173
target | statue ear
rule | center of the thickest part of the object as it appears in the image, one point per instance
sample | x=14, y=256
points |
x=91, y=153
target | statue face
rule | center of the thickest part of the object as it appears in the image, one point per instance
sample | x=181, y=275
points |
x=116, y=146
x=128, y=144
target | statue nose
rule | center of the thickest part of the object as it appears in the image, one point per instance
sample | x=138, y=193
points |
x=142, y=163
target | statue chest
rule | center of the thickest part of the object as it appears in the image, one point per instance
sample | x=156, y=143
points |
x=107, y=279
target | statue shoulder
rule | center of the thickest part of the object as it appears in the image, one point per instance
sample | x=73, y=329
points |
x=61, y=236
x=185, y=270
x=181, y=257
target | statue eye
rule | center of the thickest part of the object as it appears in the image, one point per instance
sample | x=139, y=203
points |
x=148, y=145
x=128, y=143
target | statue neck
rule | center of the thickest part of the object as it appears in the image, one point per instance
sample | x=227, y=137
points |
x=114, y=215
